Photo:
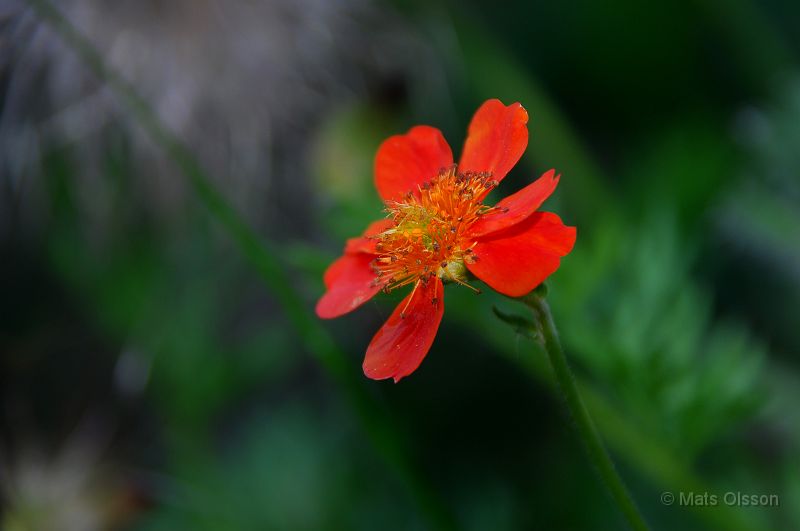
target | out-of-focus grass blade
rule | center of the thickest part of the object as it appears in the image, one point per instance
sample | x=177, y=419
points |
x=264, y=259
x=758, y=49
x=494, y=74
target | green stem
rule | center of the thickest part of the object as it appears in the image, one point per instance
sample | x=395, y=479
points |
x=583, y=422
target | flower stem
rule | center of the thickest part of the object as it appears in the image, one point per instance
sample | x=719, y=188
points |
x=583, y=422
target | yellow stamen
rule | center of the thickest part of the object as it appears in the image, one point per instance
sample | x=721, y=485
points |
x=430, y=236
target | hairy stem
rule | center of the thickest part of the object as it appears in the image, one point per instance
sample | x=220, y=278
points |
x=583, y=422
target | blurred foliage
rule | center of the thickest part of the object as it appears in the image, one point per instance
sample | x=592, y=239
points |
x=155, y=288
x=648, y=333
x=676, y=133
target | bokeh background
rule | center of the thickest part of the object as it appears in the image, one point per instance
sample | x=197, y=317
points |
x=161, y=367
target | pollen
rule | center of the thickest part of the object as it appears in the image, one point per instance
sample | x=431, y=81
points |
x=429, y=237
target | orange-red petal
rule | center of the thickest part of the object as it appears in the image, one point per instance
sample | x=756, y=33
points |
x=496, y=139
x=403, y=341
x=518, y=206
x=366, y=242
x=404, y=162
x=350, y=283
x=516, y=260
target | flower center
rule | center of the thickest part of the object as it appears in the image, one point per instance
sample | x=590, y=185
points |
x=430, y=236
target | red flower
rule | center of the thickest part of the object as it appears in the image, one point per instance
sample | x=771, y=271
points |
x=438, y=230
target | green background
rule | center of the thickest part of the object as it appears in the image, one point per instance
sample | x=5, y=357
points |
x=161, y=367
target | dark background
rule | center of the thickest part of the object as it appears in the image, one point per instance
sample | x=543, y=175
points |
x=161, y=370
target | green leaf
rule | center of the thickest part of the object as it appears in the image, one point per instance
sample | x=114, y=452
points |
x=521, y=325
